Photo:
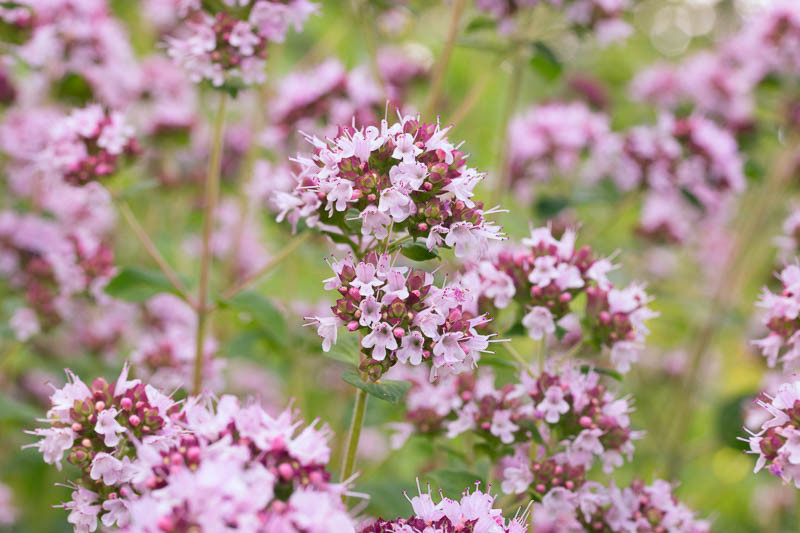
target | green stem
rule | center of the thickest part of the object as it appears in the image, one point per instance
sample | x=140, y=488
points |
x=210, y=197
x=353, y=436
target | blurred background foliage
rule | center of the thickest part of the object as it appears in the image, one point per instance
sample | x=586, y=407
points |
x=714, y=475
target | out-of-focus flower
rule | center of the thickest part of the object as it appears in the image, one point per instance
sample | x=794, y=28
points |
x=51, y=265
x=8, y=513
x=87, y=145
x=552, y=139
x=594, y=507
x=164, y=352
x=603, y=17
x=230, y=46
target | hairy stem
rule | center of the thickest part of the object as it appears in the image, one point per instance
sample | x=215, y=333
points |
x=210, y=197
x=439, y=72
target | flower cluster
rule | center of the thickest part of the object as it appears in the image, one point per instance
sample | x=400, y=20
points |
x=99, y=428
x=87, y=145
x=402, y=317
x=80, y=48
x=552, y=139
x=51, y=264
x=138, y=450
x=474, y=513
x=782, y=319
x=776, y=442
x=553, y=427
x=679, y=159
x=778, y=33
x=248, y=471
x=230, y=46
x=603, y=17
x=545, y=276
x=404, y=179
x=594, y=507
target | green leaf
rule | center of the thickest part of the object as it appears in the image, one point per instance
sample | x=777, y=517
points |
x=453, y=482
x=352, y=219
x=548, y=207
x=613, y=374
x=481, y=23
x=531, y=426
x=15, y=410
x=385, y=389
x=262, y=311
x=135, y=284
x=417, y=251
x=338, y=238
x=517, y=330
x=345, y=351
x=544, y=62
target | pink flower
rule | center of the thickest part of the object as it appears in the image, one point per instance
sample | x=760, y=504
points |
x=108, y=426
x=539, y=322
x=380, y=340
x=553, y=404
x=411, y=348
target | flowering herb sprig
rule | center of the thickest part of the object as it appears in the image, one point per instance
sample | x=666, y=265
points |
x=99, y=428
x=405, y=180
x=137, y=450
x=403, y=317
x=543, y=431
x=552, y=281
